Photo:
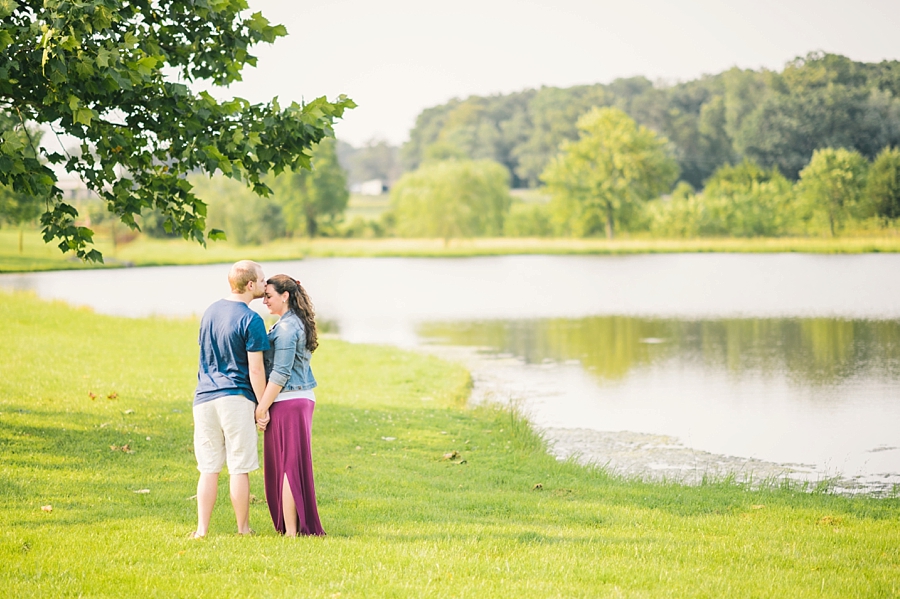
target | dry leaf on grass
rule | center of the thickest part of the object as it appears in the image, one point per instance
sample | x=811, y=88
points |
x=46, y=508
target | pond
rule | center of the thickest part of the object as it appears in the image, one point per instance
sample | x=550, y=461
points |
x=675, y=366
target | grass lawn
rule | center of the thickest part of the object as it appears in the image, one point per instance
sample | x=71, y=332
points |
x=95, y=421
x=146, y=251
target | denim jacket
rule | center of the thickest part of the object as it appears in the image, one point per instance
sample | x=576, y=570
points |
x=287, y=360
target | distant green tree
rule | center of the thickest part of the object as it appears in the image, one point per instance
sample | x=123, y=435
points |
x=376, y=159
x=308, y=198
x=250, y=219
x=682, y=214
x=481, y=127
x=528, y=219
x=444, y=150
x=883, y=187
x=819, y=101
x=832, y=185
x=552, y=118
x=451, y=198
x=746, y=200
x=17, y=209
x=613, y=167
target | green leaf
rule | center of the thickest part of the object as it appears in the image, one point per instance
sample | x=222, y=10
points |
x=6, y=39
x=146, y=65
x=83, y=115
x=217, y=235
x=7, y=7
x=257, y=22
x=70, y=42
x=12, y=144
x=103, y=56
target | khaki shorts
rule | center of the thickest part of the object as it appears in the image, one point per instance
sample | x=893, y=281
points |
x=224, y=430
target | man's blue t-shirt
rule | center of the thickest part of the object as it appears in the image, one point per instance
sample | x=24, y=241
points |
x=228, y=330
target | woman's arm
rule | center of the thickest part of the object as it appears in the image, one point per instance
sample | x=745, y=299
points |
x=285, y=345
x=262, y=408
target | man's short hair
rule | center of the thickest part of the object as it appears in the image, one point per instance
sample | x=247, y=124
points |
x=242, y=273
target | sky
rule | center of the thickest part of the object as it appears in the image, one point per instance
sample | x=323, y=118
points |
x=395, y=58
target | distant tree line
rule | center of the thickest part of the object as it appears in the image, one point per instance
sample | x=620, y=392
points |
x=809, y=150
x=774, y=119
x=616, y=177
x=375, y=159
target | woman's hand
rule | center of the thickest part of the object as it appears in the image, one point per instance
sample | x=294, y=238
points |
x=262, y=419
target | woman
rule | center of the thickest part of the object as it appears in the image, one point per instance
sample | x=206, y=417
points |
x=286, y=409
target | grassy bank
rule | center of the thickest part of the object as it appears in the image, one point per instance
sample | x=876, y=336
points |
x=145, y=251
x=401, y=520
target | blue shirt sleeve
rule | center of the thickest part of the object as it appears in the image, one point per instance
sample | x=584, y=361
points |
x=257, y=340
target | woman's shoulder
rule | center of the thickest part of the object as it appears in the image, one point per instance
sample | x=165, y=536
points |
x=289, y=323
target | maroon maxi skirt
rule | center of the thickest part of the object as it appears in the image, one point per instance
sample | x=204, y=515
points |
x=286, y=450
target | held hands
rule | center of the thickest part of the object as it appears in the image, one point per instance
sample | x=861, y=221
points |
x=262, y=419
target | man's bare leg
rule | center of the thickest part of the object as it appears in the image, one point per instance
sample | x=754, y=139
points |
x=207, y=487
x=240, y=501
x=289, y=508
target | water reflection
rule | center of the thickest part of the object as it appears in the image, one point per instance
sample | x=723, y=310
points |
x=809, y=351
x=822, y=393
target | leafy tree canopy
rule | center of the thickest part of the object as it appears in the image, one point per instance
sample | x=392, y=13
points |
x=107, y=73
x=614, y=166
x=731, y=180
x=308, y=196
x=833, y=183
x=452, y=198
x=883, y=186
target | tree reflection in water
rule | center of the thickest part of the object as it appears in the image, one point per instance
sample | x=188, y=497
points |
x=809, y=351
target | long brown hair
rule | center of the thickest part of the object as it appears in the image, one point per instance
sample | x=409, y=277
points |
x=299, y=304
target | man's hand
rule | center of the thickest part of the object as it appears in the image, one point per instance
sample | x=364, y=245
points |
x=262, y=419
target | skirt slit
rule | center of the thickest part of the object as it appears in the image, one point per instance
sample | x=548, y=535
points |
x=288, y=451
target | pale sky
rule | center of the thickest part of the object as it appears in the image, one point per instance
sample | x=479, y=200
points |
x=397, y=57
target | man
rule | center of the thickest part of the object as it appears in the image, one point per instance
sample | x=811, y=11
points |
x=230, y=379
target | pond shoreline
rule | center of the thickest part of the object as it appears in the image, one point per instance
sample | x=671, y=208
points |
x=145, y=251
x=650, y=457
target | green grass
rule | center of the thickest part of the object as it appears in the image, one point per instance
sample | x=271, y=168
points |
x=145, y=251
x=401, y=520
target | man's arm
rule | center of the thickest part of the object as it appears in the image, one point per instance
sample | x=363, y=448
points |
x=257, y=373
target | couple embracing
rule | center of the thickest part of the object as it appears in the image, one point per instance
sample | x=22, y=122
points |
x=251, y=379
